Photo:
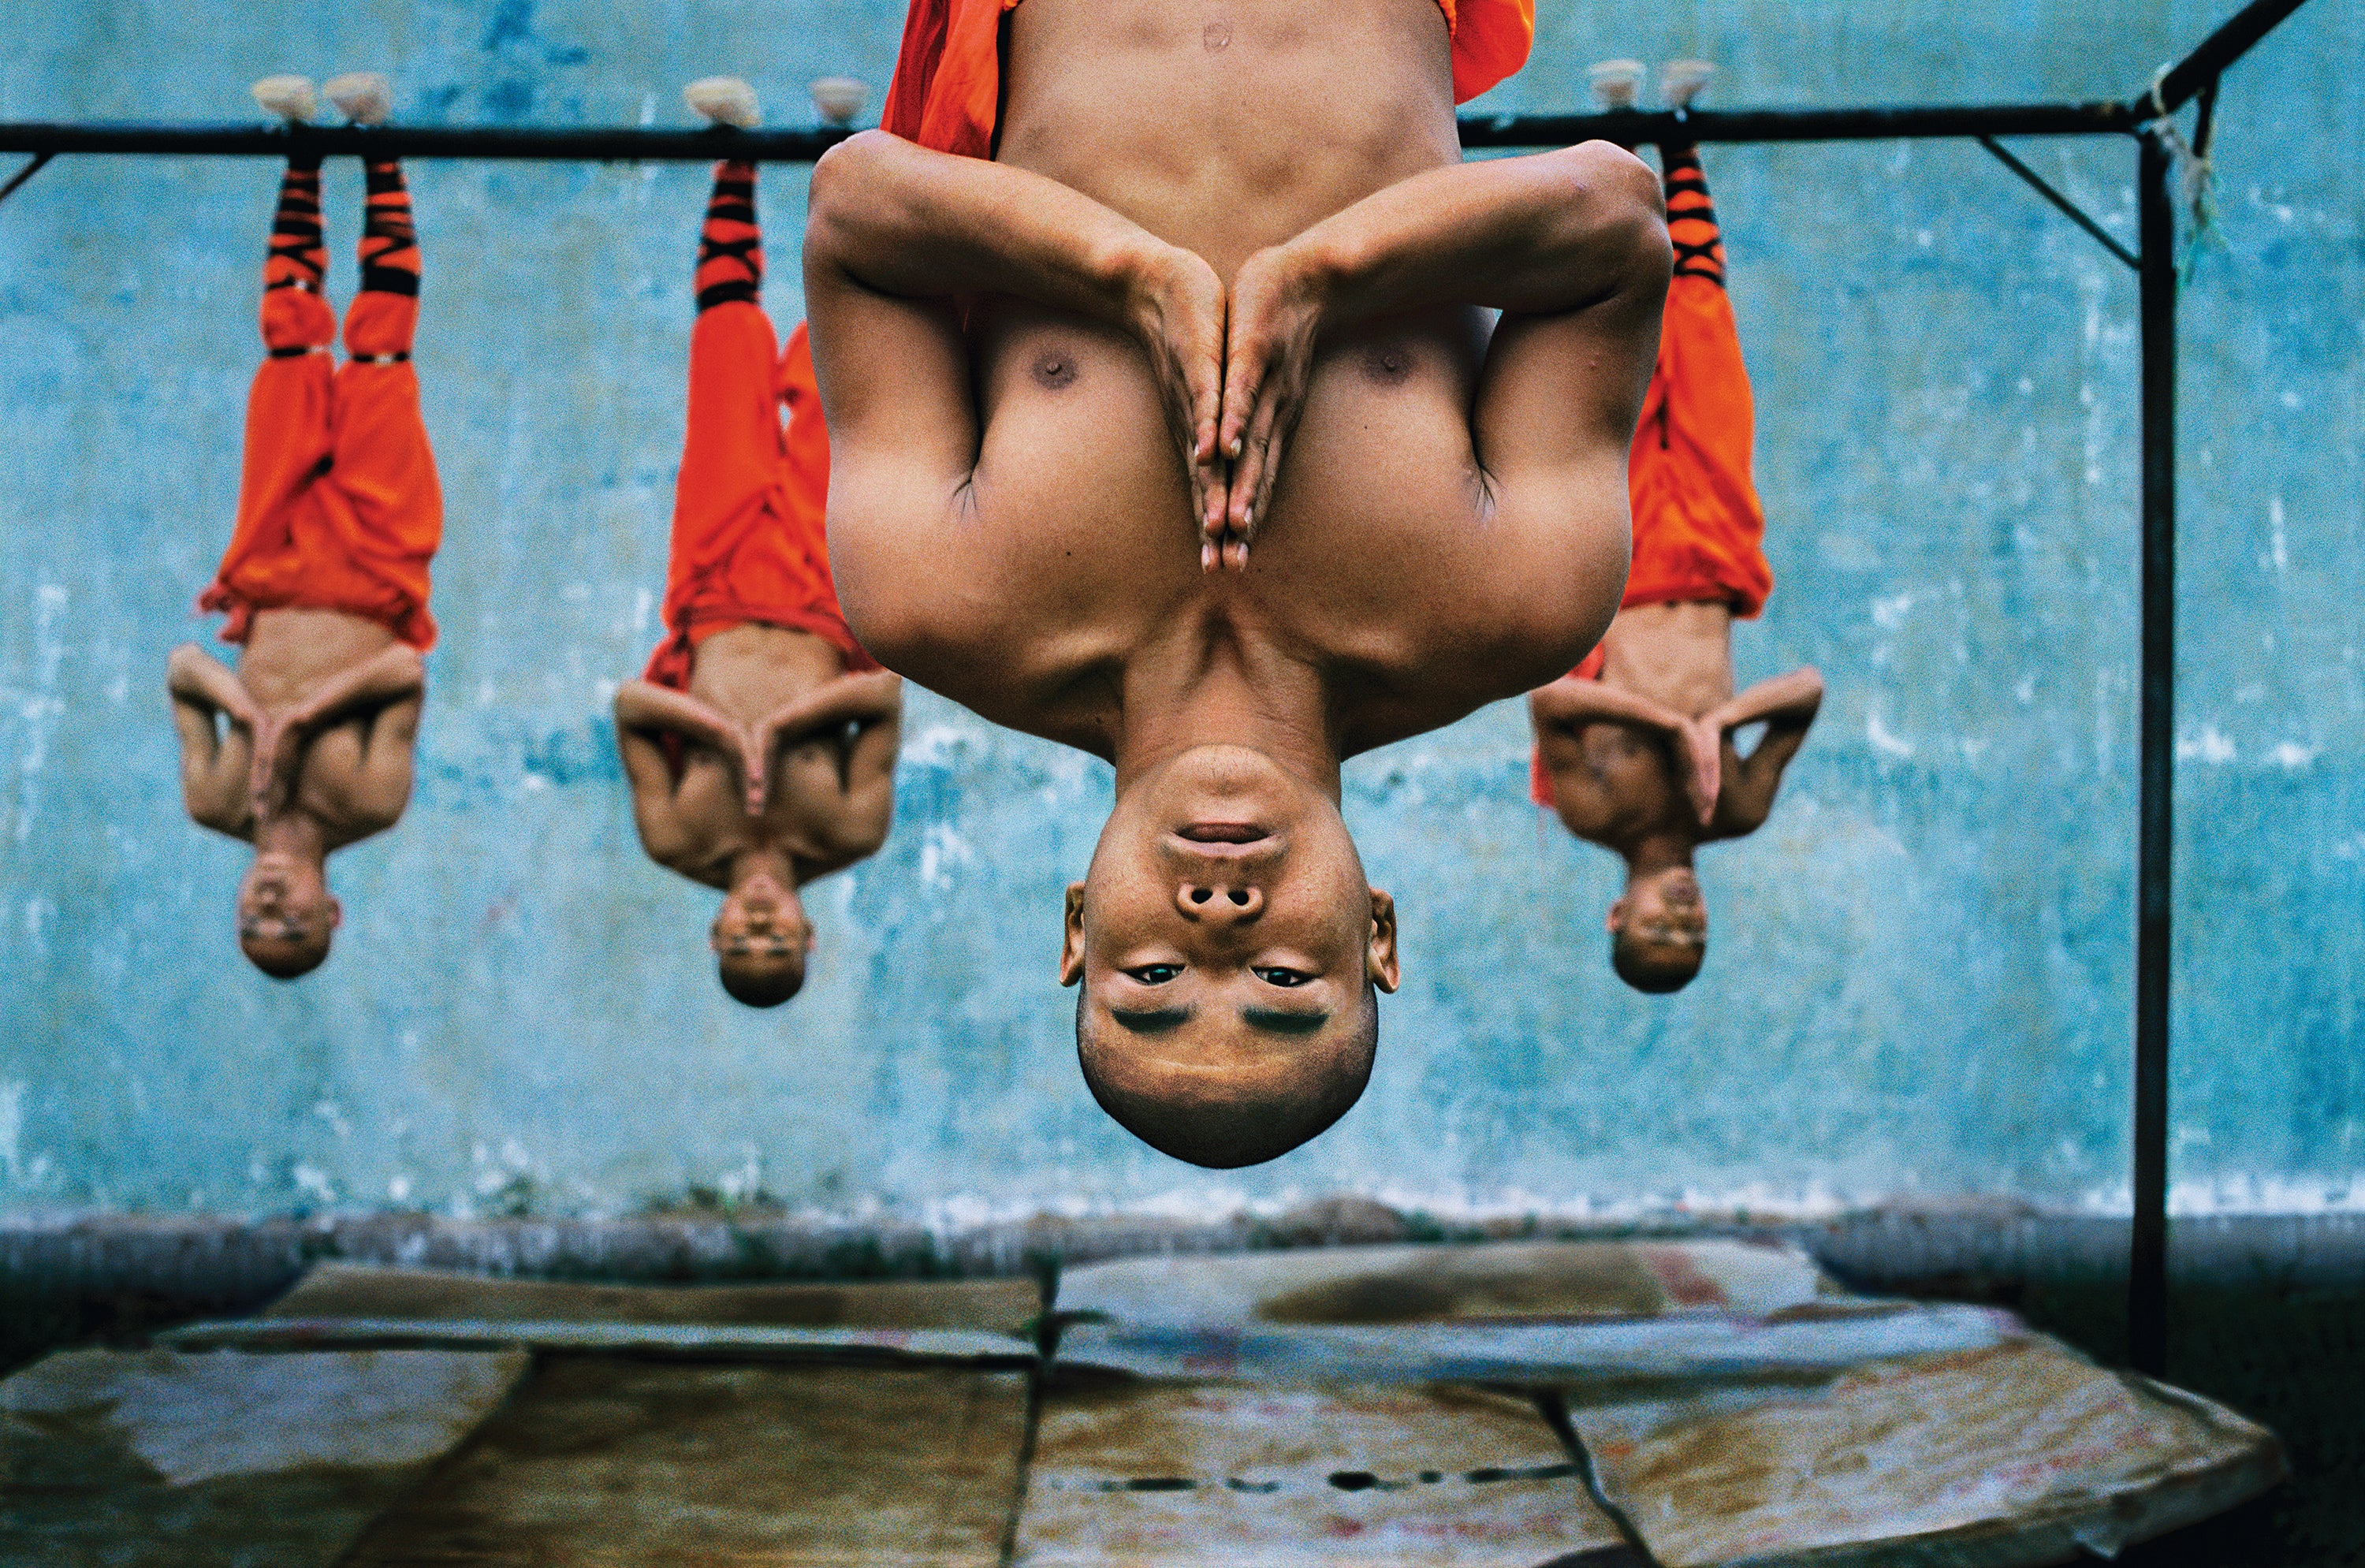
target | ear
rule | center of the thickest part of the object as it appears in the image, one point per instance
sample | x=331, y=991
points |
x=1379, y=961
x=1072, y=940
x=336, y=912
x=1619, y=914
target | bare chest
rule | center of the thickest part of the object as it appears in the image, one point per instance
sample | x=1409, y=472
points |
x=1085, y=554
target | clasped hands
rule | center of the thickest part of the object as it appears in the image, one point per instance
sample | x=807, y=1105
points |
x=1232, y=368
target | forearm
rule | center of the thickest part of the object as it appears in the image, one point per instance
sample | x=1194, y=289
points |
x=899, y=219
x=1785, y=702
x=1540, y=236
x=393, y=675
x=195, y=679
x=1570, y=702
x=642, y=709
x=873, y=698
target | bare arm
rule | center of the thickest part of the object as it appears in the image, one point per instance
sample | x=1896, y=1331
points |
x=1570, y=702
x=1573, y=240
x=644, y=713
x=866, y=701
x=871, y=783
x=1786, y=705
x=394, y=677
x=216, y=717
x=896, y=232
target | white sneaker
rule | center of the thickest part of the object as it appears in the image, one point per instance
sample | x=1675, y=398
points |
x=725, y=100
x=838, y=99
x=1615, y=83
x=289, y=97
x=1680, y=81
x=364, y=98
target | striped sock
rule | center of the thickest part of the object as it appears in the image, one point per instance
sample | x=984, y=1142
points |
x=730, y=245
x=1691, y=217
x=298, y=257
x=389, y=247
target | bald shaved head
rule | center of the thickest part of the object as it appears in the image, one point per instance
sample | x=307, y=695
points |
x=1223, y=1093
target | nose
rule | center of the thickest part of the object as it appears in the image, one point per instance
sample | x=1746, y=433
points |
x=1218, y=903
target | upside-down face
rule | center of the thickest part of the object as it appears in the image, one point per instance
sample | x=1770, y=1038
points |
x=285, y=913
x=760, y=939
x=1229, y=949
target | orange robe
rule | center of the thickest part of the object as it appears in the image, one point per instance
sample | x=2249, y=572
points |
x=1699, y=529
x=338, y=506
x=749, y=538
x=948, y=87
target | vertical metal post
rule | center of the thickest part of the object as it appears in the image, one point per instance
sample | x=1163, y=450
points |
x=2148, y=1250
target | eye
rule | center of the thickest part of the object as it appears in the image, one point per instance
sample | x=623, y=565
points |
x=1275, y=975
x=1155, y=974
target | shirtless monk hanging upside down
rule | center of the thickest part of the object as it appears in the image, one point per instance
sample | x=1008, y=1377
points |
x=1175, y=433
x=761, y=741
x=1634, y=747
x=306, y=747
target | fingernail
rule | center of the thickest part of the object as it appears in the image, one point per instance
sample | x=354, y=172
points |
x=1206, y=557
x=1234, y=450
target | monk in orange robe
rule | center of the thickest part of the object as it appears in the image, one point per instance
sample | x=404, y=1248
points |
x=307, y=747
x=1634, y=747
x=760, y=742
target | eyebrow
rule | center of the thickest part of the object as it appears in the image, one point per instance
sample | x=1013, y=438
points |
x=1151, y=1021
x=1283, y=1021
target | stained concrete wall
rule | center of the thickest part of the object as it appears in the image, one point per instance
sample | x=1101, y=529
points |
x=1919, y=984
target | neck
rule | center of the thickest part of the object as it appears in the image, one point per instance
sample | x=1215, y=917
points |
x=292, y=833
x=1656, y=854
x=1227, y=695
x=763, y=857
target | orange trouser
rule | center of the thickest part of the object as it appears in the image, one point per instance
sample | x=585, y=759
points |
x=1699, y=529
x=338, y=506
x=748, y=541
x=948, y=88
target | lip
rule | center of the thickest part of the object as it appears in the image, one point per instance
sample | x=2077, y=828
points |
x=1236, y=835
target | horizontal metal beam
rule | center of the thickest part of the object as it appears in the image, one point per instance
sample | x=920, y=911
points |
x=2218, y=51
x=1879, y=124
x=527, y=143
x=605, y=145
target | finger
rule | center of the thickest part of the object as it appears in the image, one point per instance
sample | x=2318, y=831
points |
x=1246, y=362
x=1252, y=479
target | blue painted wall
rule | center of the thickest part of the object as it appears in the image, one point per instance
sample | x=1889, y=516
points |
x=1920, y=980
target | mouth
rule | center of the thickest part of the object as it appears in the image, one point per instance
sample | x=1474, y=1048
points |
x=1222, y=833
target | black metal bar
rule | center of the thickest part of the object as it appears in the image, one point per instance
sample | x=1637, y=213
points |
x=2218, y=51
x=580, y=144
x=2076, y=214
x=41, y=160
x=1800, y=124
x=599, y=144
x=2147, y=1243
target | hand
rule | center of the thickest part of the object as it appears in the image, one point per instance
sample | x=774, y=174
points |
x=1703, y=741
x=270, y=774
x=756, y=749
x=1177, y=310
x=1276, y=313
